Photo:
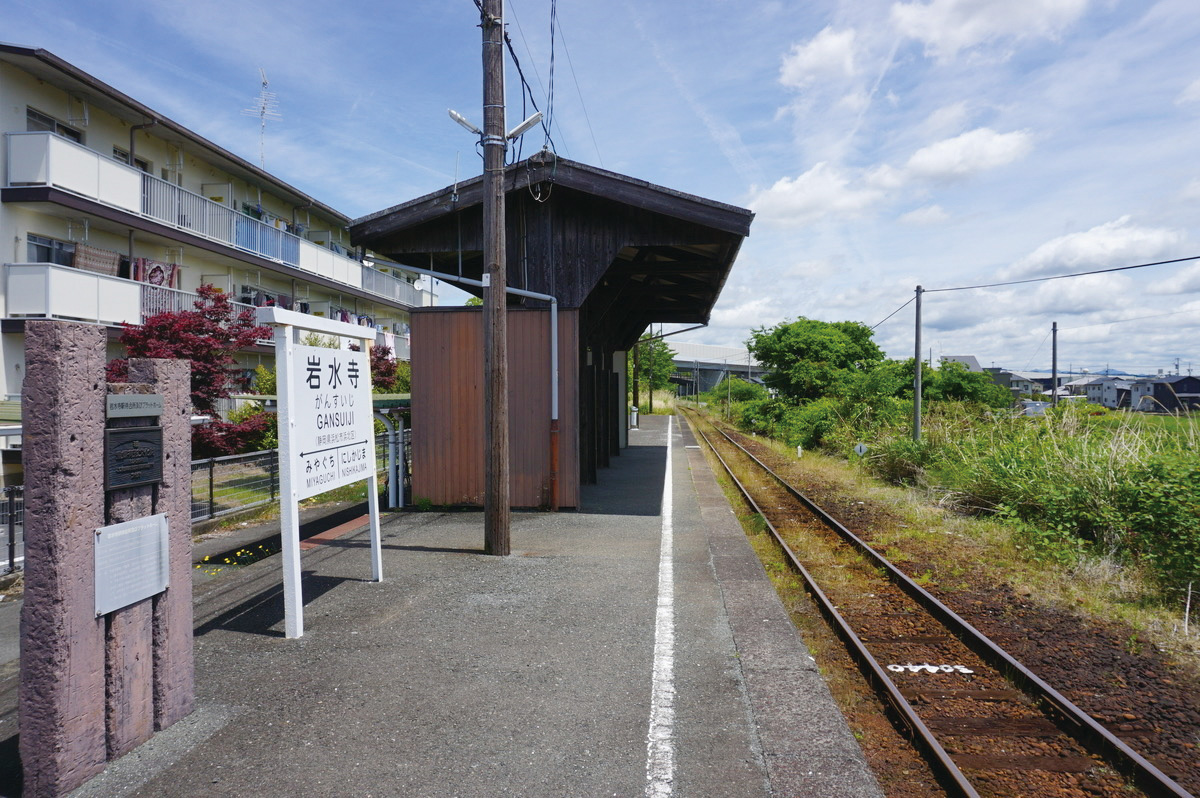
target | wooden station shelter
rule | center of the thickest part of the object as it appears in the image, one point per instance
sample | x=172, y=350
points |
x=616, y=253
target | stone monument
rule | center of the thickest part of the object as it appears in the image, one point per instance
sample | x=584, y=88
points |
x=106, y=627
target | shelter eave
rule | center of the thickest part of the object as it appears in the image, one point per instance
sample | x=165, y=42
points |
x=555, y=171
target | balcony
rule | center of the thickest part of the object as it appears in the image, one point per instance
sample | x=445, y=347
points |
x=50, y=291
x=44, y=159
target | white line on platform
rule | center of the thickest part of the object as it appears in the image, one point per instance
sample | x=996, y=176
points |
x=660, y=742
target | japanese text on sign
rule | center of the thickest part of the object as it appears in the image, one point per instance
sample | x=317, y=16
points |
x=333, y=427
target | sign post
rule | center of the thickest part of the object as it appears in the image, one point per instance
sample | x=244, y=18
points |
x=326, y=434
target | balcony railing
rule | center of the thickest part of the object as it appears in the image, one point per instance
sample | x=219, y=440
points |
x=45, y=159
x=47, y=290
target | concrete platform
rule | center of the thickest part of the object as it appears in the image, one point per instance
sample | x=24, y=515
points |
x=530, y=675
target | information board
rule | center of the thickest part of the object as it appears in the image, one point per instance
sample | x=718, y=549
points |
x=131, y=562
x=132, y=456
x=333, y=431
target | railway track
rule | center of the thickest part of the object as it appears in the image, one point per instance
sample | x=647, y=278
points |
x=985, y=723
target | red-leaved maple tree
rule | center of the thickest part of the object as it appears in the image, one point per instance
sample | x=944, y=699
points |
x=207, y=337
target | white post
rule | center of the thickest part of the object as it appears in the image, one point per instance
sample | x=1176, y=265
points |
x=289, y=511
x=292, y=485
x=373, y=509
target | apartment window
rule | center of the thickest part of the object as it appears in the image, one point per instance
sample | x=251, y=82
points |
x=123, y=156
x=50, y=250
x=36, y=121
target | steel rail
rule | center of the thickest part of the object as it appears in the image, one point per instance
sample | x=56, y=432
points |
x=941, y=761
x=1082, y=726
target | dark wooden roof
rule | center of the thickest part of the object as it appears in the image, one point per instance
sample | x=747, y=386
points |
x=627, y=253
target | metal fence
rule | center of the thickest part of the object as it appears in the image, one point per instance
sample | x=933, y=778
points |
x=223, y=485
x=220, y=486
x=12, y=521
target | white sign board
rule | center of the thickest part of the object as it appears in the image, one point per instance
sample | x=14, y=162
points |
x=326, y=434
x=131, y=562
x=332, y=428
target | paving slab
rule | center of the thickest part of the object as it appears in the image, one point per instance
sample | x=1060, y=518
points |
x=467, y=675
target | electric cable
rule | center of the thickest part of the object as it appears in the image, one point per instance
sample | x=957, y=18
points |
x=1062, y=276
x=579, y=93
x=1135, y=318
x=1035, y=352
x=894, y=312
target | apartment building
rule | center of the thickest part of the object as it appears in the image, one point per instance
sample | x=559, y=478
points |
x=110, y=212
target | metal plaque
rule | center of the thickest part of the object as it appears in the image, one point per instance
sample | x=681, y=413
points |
x=132, y=456
x=131, y=562
x=134, y=405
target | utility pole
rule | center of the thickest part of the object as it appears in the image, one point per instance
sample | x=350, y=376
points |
x=1054, y=364
x=496, y=512
x=917, y=374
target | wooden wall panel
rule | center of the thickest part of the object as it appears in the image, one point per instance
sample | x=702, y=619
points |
x=447, y=407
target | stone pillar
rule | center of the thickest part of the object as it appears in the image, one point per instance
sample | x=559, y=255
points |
x=62, y=707
x=93, y=688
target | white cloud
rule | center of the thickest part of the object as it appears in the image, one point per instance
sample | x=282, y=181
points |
x=949, y=26
x=1184, y=281
x=1115, y=243
x=828, y=54
x=974, y=151
x=929, y=215
x=1091, y=294
x=1189, y=95
x=826, y=190
x=821, y=191
x=746, y=315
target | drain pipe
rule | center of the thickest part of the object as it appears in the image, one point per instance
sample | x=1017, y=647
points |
x=451, y=278
x=133, y=129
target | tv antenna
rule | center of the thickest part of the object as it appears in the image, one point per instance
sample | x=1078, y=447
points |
x=266, y=106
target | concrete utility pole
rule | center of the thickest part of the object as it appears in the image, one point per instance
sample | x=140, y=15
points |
x=496, y=513
x=917, y=374
x=1054, y=364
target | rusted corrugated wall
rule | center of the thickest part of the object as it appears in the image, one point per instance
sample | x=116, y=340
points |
x=447, y=407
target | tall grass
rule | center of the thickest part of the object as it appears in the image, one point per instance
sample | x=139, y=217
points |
x=1120, y=485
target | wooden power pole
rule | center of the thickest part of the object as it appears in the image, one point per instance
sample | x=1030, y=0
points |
x=496, y=524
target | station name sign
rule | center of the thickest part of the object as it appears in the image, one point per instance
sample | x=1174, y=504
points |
x=333, y=429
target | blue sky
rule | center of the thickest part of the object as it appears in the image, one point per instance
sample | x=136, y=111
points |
x=883, y=144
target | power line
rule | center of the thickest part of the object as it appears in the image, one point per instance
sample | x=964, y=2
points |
x=1035, y=352
x=1063, y=276
x=894, y=312
x=579, y=93
x=1135, y=318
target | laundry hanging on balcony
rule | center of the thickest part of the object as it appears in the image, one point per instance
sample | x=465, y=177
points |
x=94, y=259
x=153, y=272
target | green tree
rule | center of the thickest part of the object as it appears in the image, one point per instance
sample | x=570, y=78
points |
x=809, y=359
x=474, y=302
x=656, y=364
x=954, y=382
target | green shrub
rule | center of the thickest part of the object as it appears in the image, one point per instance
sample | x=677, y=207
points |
x=1161, y=505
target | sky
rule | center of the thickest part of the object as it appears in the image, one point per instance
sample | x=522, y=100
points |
x=882, y=144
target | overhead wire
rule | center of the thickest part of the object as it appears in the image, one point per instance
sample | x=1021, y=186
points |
x=1135, y=318
x=894, y=312
x=1062, y=276
x=579, y=93
x=1035, y=352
